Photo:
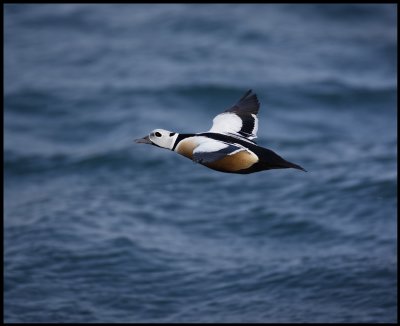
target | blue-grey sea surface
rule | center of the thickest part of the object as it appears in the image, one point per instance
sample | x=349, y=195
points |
x=100, y=229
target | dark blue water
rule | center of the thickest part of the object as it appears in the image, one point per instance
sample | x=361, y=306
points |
x=100, y=229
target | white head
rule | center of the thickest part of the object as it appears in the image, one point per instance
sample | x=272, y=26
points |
x=160, y=137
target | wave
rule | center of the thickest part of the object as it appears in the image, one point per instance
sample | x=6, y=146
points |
x=23, y=164
x=53, y=99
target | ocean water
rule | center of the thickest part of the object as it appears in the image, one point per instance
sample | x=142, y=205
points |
x=100, y=229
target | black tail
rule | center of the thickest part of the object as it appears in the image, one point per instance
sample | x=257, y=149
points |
x=271, y=160
x=294, y=166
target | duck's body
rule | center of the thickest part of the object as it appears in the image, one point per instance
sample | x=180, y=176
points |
x=228, y=146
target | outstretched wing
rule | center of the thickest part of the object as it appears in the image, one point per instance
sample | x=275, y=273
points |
x=239, y=120
x=213, y=150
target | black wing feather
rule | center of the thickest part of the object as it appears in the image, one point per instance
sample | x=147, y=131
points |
x=248, y=103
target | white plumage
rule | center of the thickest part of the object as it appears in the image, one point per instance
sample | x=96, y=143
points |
x=208, y=145
x=226, y=123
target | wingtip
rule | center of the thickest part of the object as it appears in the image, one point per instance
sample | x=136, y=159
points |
x=246, y=94
x=248, y=103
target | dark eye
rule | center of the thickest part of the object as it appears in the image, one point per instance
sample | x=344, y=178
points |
x=171, y=134
x=157, y=134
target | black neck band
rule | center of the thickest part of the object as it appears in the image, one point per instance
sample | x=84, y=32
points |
x=180, y=138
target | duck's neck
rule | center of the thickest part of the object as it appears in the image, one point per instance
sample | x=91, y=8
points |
x=179, y=138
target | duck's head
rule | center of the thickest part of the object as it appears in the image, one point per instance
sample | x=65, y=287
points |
x=159, y=137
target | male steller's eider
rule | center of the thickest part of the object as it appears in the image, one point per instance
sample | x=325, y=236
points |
x=228, y=146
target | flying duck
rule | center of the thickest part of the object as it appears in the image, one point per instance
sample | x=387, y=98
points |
x=229, y=145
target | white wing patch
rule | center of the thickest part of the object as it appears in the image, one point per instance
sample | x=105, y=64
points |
x=242, y=125
x=212, y=150
x=226, y=123
x=255, y=128
x=209, y=145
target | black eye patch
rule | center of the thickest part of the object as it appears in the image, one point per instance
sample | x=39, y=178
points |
x=171, y=134
x=157, y=134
